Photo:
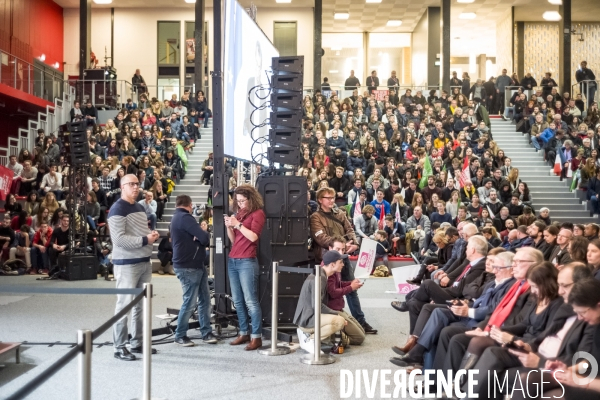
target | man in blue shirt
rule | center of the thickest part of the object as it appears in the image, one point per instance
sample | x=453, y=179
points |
x=380, y=204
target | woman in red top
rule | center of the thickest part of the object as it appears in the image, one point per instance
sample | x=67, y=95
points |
x=243, y=230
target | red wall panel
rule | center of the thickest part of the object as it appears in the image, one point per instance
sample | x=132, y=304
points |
x=30, y=28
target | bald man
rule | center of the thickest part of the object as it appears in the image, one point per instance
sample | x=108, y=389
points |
x=132, y=247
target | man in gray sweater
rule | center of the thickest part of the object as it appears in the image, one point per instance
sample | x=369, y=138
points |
x=331, y=322
x=132, y=248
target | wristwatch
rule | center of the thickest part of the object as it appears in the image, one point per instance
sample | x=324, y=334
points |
x=239, y=226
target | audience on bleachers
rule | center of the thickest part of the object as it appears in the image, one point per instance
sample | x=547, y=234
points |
x=144, y=139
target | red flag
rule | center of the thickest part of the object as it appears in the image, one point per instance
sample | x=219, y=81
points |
x=557, y=165
x=6, y=178
x=466, y=173
x=381, y=216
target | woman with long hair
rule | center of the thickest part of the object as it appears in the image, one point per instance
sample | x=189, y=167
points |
x=12, y=206
x=50, y=202
x=399, y=209
x=513, y=179
x=587, y=172
x=43, y=215
x=593, y=257
x=452, y=204
x=32, y=204
x=161, y=198
x=523, y=193
x=418, y=201
x=92, y=210
x=56, y=217
x=321, y=156
x=244, y=229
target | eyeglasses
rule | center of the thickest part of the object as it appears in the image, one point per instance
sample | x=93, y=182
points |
x=500, y=267
x=242, y=201
x=582, y=313
x=132, y=184
x=328, y=198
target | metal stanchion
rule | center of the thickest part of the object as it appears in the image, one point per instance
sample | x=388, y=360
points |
x=147, y=342
x=318, y=358
x=273, y=349
x=211, y=255
x=84, y=339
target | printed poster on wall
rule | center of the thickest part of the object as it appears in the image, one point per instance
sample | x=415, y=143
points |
x=366, y=259
x=401, y=274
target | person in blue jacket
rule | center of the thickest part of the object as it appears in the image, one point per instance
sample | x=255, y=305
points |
x=189, y=243
x=543, y=138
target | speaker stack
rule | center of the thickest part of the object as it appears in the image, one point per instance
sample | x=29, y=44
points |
x=286, y=106
x=76, y=143
x=284, y=239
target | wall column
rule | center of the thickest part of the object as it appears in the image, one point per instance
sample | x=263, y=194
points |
x=445, y=46
x=199, y=46
x=318, y=49
x=85, y=35
x=520, y=50
x=564, y=46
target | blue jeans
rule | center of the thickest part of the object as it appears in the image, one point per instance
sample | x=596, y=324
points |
x=194, y=283
x=91, y=222
x=354, y=306
x=536, y=143
x=152, y=220
x=39, y=260
x=243, y=279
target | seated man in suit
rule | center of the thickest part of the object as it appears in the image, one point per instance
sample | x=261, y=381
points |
x=452, y=345
x=434, y=318
x=476, y=251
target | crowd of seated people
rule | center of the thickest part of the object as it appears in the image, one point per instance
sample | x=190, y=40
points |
x=149, y=139
x=416, y=160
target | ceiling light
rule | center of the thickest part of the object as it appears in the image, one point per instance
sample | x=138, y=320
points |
x=102, y=1
x=551, y=16
x=56, y=65
x=469, y=15
x=394, y=22
x=42, y=57
x=336, y=48
x=465, y=1
x=190, y=1
x=373, y=1
x=283, y=1
x=341, y=16
x=555, y=2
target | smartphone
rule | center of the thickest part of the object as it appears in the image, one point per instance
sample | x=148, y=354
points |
x=514, y=346
x=362, y=281
x=454, y=302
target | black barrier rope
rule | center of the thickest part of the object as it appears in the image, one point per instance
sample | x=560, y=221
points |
x=71, y=354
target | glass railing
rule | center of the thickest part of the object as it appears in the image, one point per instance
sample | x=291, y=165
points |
x=588, y=90
x=28, y=78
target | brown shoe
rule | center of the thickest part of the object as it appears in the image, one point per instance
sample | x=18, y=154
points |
x=254, y=344
x=410, y=343
x=240, y=340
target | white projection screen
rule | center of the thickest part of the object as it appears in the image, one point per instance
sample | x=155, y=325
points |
x=247, y=63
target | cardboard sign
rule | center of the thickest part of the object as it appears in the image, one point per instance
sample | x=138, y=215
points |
x=401, y=274
x=6, y=178
x=366, y=259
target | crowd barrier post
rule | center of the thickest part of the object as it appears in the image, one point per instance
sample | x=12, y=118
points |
x=147, y=342
x=211, y=255
x=273, y=349
x=84, y=341
x=318, y=358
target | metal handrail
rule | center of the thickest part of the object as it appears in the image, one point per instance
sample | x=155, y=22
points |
x=85, y=338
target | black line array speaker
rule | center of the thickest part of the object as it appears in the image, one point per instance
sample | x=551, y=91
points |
x=76, y=145
x=284, y=239
x=286, y=106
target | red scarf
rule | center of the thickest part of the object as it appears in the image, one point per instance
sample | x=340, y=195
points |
x=507, y=304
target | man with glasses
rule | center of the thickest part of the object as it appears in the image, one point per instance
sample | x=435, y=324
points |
x=461, y=313
x=560, y=255
x=328, y=222
x=452, y=347
x=132, y=247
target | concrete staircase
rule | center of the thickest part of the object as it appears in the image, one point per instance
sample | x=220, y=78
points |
x=547, y=190
x=190, y=185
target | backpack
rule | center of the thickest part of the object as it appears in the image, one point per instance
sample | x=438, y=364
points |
x=170, y=185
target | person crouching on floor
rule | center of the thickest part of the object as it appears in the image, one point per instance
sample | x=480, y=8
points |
x=331, y=322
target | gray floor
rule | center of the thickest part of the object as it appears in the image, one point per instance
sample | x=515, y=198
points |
x=204, y=371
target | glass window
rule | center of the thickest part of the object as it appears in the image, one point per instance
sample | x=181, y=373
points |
x=343, y=53
x=167, y=87
x=168, y=43
x=385, y=55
